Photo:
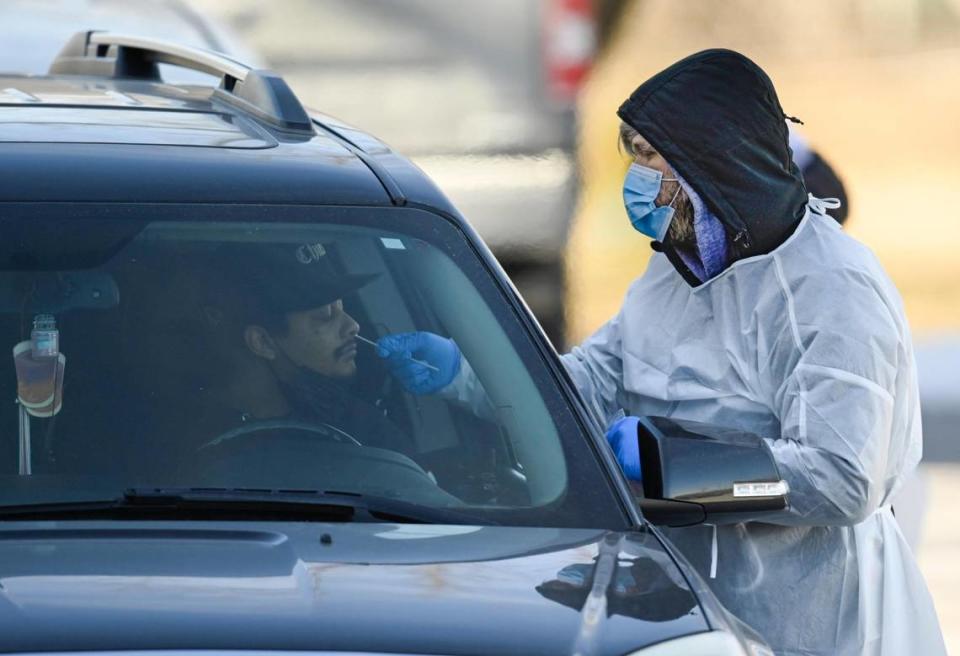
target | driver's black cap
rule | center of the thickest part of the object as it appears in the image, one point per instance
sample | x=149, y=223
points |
x=282, y=278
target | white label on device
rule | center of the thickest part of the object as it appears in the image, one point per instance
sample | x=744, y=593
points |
x=763, y=489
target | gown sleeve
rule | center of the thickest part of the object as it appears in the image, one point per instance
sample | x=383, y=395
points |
x=596, y=367
x=848, y=404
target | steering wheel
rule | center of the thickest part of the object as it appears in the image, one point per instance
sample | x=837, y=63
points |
x=327, y=431
x=287, y=461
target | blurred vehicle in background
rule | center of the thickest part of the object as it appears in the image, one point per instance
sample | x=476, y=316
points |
x=481, y=95
x=32, y=32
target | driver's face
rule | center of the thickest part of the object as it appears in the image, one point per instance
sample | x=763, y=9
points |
x=322, y=339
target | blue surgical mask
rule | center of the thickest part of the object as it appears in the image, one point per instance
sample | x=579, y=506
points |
x=640, y=190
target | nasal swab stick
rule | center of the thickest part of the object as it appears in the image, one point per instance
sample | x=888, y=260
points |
x=420, y=362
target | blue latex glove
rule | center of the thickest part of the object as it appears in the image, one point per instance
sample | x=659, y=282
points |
x=622, y=437
x=399, y=351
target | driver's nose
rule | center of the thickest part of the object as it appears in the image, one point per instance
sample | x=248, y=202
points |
x=349, y=326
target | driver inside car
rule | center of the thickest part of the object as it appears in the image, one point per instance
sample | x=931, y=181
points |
x=285, y=347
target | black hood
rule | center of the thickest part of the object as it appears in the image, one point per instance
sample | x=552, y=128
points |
x=715, y=118
x=371, y=588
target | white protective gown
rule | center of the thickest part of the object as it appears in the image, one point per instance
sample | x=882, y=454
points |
x=808, y=347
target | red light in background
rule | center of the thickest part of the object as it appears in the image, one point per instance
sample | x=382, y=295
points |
x=570, y=43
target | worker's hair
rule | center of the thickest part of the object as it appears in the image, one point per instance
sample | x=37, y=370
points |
x=625, y=139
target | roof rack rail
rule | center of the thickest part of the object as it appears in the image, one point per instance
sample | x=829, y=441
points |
x=259, y=92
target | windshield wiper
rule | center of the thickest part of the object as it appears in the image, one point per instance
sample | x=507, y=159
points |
x=219, y=504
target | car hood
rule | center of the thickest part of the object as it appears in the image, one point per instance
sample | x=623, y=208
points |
x=413, y=589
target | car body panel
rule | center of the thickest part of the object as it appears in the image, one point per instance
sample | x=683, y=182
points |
x=90, y=172
x=337, y=165
x=365, y=587
x=120, y=126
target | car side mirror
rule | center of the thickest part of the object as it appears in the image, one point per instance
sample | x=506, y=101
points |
x=695, y=473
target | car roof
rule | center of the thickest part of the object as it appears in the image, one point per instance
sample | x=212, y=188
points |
x=134, y=138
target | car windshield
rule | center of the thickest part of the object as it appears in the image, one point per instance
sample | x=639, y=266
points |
x=209, y=347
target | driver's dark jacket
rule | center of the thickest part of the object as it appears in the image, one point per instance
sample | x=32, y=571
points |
x=319, y=399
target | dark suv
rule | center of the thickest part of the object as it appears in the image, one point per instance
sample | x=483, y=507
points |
x=208, y=451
